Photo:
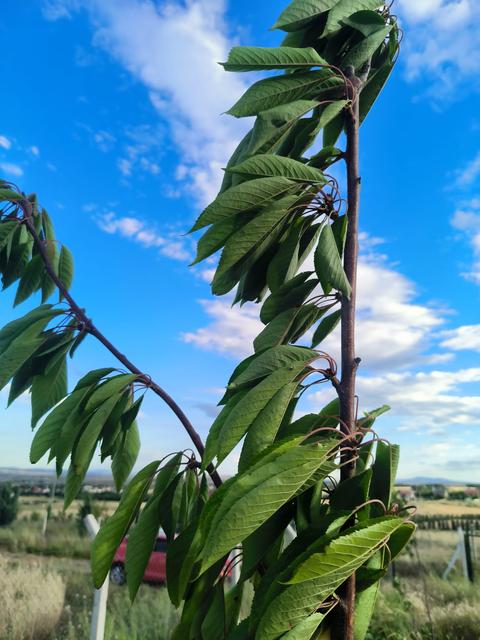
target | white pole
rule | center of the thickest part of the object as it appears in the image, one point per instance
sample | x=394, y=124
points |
x=100, y=596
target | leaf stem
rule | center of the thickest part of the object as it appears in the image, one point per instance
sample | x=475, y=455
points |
x=88, y=325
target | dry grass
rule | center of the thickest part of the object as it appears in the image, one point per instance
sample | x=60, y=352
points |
x=39, y=504
x=446, y=508
x=32, y=601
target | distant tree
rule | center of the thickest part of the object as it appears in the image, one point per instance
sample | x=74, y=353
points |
x=279, y=208
x=8, y=504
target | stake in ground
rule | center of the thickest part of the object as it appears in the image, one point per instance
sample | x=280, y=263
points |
x=328, y=474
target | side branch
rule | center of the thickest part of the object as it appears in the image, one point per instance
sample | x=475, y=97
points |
x=90, y=328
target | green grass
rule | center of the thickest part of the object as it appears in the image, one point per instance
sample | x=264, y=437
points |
x=50, y=597
x=61, y=539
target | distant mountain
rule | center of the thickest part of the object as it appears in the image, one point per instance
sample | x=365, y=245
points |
x=425, y=480
x=38, y=474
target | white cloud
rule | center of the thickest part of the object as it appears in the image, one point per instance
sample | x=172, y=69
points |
x=104, y=140
x=393, y=330
x=34, y=150
x=431, y=400
x=231, y=331
x=11, y=169
x=138, y=231
x=173, y=48
x=467, y=220
x=59, y=9
x=465, y=338
x=5, y=143
x=441, y=44
x=470, y=173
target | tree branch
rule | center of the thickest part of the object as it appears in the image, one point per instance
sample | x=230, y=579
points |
x=92, y=330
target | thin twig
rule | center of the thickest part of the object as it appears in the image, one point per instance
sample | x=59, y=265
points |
x=88, y=325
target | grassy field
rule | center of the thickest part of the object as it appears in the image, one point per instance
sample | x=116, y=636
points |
x=47, y=592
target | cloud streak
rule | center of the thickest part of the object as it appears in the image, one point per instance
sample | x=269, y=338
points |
x=173, y=49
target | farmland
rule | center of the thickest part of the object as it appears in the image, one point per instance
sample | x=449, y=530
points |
x=52, y=574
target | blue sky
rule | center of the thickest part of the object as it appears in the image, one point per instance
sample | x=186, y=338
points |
x=111, y=112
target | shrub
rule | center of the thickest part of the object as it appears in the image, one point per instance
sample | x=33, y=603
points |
x=8, y=504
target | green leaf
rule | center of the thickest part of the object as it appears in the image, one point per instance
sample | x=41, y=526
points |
x=47, y=284
x=126, y=455
x=244, y=241
x=276, y=332
x=7, y=229
x=13, y=329
x=47, y=226
x=372, y=89
x=384, y=473
x=301, y=12
x=73, y=484
x=256, y=495
x=30, y=281
x=245, y=197
x=20, y=350
x=266, y=165
x=266, y=58
x=274, y=125
x=65, y=267
x=47, y=434
x=345, y=8
x=326, y=157
x=305, y=630
x=367, y=22
x=141, y=542
x=271, y=360
x=370, y=416
x=110, y=387
x=244, y=414
x=326, y=418
x=10, y=195
x=51, y=387
x=215, y=237
x=328, y=264
x=240, y=152
x=322, y=573
x=211, y=445
x=352, y=492
x=364, y=50
x=112, y=430
x=265, y=427
x=325, y=328
x=259, y=543
x=399, y=539
x=116, y=526
x=89, y=438
x=332, y=130
x=284, y=264
x=92, y=377
x=278, y=90
x=292, y=294
x=181, y=557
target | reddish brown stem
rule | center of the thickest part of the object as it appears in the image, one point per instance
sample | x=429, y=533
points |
x=82, y=318
x=346, y=388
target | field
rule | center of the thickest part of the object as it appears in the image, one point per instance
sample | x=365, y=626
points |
x=47, y=592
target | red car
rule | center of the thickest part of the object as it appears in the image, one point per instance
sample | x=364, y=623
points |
x=156, y=568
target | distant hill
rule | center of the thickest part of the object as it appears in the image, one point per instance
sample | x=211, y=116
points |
x=424, y=480
x=37, y=474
